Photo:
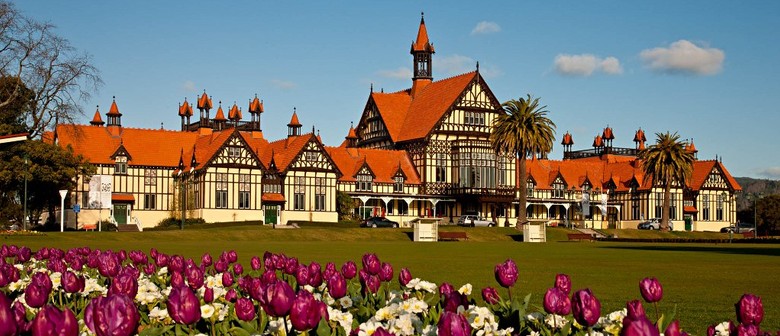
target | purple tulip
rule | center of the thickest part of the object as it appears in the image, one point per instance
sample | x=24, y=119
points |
x=194, y=277
x=206, y=260
x=176, y=264
x=280, y=261
x=7, y=319
x=109, y=264
x=747, y=330
x=404, y=277
x=673, y=329
x=52, y=321
x=208, y=295
x=371, y=263
x=337, y=286
x=221, y=266
x=278, y=299
x=506, y=273
x=124, y=284
x=42, y=279
x=315, y=274
x=238, y=269
x=162, y=260
x=711, y=330
x=490, y=295
x=232, y=256
x=750, y=310
x=150, y=269
x=386, y=272
x=268, y=261
x=635, y=310
x=306, y=312
x=112, y=315
x=36, y=295
x=183, y=305
x=453, y=300
x=349, y=270
x=638, y=327
x=557, y=302
x=23, y=255
x=586, y=308
x=153, y=253
x=231, y=295
x=453, y=324
x=177, y=279
x=227, y=279
x=651, y=290
x=256, y=264
x=291, y=266
x=382, y=332
x=371, y=284
x=445, y=288
x=302, y=275
x=56, y=265
x=255, y=287
x=20, y=316
x=269, y=277
x=563, y=282
x=245, y=309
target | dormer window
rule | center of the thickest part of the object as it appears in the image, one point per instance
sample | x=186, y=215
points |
x=530, y=189
x=398, y=184
x=558, y=189
x=120, y=165
x=363, y=183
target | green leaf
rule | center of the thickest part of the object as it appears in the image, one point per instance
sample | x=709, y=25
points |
x=247, y=326
x=239, y=332
x=155, y=331
x=323, y=328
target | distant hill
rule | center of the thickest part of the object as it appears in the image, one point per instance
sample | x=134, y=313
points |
x=752, y=187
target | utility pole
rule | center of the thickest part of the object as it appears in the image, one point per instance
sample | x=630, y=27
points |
x=24, y=216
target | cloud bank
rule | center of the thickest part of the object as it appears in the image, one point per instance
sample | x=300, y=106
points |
x=400, y=73
x=283, y=84
x=486, y=27
x=586, y=64
x=188, y=86
x=770, y=173
x=684, y=57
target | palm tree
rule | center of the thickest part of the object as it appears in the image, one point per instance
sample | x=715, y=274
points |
x=667, y=161
x=523, y=130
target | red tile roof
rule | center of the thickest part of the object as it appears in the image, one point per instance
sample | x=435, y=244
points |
x=690, y=209
x=97, y=120
x=598, y=142
x=294, y=120
x=383, y=163
x=272, y=197
x=640, y=136
x=122, y=198
x=409, y=119
x=608, y=135
x=185, y=110
x=422, y=43
x=284, y=151
x=220, y=114
x=256, y=106
x=567, y=139
x=114, y=110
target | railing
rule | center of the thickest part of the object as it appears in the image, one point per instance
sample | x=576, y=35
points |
x=585, y=153
x=137, y=223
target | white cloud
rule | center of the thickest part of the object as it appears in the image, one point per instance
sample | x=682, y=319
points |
x=455, y=64
x=188, y=86
x=586, y=64
x=684, y=57
x=400, y=73
x=771, y=173
x=283, y=84
x=486, y=27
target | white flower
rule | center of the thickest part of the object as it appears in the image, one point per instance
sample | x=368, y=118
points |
x=159, y=314
x=387, y=313
x=722, y=329
x=534, y=333
x=163, y=270
x=554, y=320
x=403, y=325
x=429, y=330
x=534, y=316
x=343, y=319
x=56, y=280
x=206, y=311
x=221, y=310
x=465, y=289
x=414, y=305
x=276, y=326
x=368, y=328
x=345, y=302
x=481, y=318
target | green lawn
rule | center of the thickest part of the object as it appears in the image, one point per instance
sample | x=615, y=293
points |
x=702, y=280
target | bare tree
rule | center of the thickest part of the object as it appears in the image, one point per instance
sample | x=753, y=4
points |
x=58, y=75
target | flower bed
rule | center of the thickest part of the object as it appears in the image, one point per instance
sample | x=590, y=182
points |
x=86, y=291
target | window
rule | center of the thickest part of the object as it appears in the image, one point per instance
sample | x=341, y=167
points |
x=659, y=203
x=635, y=206
x=530, y=189
x=440, y=163
x=150, y=201
x=243, y=200
x=673, y=207
x=234, y=151
x=503, y=168
x=221, y=197
x=719, y=207
x=311, y=156
x=150, y=177
x=558, y=189
x=474, y=118
x=477, y=169
x=705, y=207
x=319, y=194
x=363, y=183
x=398, y=185
x=298, y=196
x=120, y=165
x=272, y=184
x=403, y=208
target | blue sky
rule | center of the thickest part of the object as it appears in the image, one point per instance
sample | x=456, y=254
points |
x=705, y=69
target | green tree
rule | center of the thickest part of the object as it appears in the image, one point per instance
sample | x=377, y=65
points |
x=344, y=205
x=525, y=131
x=768, y=214
x=667, y=162
x=19, y=102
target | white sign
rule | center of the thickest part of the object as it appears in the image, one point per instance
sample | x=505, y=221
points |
x=586, y=203
x=100, y=191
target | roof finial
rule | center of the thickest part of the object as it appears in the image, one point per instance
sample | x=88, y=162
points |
x=422, y=16
x=372, y=87
x=350, y=124
x=477, y=66
x=161, y=126
x=312, y=129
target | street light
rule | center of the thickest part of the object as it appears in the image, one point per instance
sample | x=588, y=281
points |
x=24, y=216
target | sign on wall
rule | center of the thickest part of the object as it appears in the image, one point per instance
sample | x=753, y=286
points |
x=586, y=203
x=100, y=191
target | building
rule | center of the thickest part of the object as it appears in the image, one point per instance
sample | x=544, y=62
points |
x=420, y=152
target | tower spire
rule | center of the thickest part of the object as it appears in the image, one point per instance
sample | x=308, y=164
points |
x=422, y=52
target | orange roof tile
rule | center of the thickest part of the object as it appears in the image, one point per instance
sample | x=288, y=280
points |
x=97, y=120
x=691, y=147
x=567, y=139
x=185, y=110
x=422, y=43
x=284, y=151
x=272, y=197
x=220, y=114
x=122, y=198
x=598, y=142
x=640, y=136
x=382, y=162
x=702, y=170
x=294, y=120
x=256, y=106
x=690, y=209
x=204, y=103
x=152, y=147
x=351, y=134
x=235, y=113
x=608, y=135
x=114, y=110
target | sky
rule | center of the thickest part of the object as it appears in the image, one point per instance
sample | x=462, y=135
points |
x=707, y=70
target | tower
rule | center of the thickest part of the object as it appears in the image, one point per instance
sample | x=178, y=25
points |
x=204, y=105
x=294, y=127
x=422, y=53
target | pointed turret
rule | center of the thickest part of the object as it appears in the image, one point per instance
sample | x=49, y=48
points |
x=114, y=116
x=351, y=137
x=219, y=118
x=255, y=109
x=185, y=112
x=608, y=136
x=639, y=139
x=422, y=51
x=97, y=120
x=567, y=142
x=598, y=142
x=294, y=127
x=204, y=106
x=691, y=148
x=234, y=114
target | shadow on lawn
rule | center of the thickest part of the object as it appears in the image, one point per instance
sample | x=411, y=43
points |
x=725, y=249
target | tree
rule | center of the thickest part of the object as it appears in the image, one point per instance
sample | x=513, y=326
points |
x=18, y=99
x=667, y=162
x=344, y=205
x=768, y=214
x=525, y=131
x=36, y=59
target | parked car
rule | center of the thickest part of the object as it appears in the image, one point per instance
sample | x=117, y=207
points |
x=653, y=224
x=474, y=220
x=740, y=228
x=374, y=222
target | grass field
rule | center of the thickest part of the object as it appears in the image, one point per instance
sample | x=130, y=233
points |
x=702, y=280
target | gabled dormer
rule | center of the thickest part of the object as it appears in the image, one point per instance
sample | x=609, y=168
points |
x=364, y=178
x=399, y=180
x=121, y=158
x=530, y=186
x=558, y=187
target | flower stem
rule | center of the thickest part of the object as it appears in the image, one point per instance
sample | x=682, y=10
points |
x=656, y=311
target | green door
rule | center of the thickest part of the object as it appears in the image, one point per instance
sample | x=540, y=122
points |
x=688, y=223
x=271, y=214
x=120, y=214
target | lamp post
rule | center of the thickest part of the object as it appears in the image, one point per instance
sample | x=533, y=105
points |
x=63, y=193
x=24, y=216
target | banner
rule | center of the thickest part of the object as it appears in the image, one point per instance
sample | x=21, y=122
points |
x=100, y=191
x=585, y=204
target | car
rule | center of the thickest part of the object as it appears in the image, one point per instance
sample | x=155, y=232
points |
x=374, y=222
x=739, y=228
x=653, y=224
x=474, y=220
